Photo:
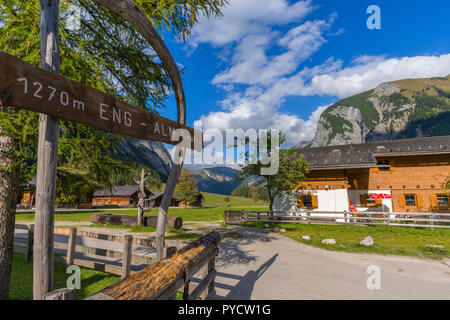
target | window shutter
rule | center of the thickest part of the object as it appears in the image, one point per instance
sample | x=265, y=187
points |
x=433, y=200
x=393, y=169
x=419, y=200
x=300, y=202
x=401, y=201
x=315, y=201
x=363, y=200
x=378, y=203
x=375, y=170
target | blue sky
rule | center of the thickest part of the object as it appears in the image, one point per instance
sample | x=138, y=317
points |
x=279, y=63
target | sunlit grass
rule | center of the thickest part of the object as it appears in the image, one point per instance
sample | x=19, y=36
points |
x=388, y=240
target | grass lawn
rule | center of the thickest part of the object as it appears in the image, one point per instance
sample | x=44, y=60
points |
x=213, y=199
x=388, y=240
x=21, y=287
x=188, y=214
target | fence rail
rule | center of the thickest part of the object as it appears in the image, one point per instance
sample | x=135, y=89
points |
x=162, y=280
x=425, y=220
x=90, y=256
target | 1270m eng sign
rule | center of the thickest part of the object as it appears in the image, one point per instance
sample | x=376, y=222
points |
x=25, y=86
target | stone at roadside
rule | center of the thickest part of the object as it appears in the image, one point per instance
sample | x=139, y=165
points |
x=434, y=247
x=266, y=226
x=329, y=241
x=307, y=238
x=368, y=242
x=283, y=230
x=276, y=229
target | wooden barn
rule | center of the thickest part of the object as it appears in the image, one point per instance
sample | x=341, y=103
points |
x=411, y=171
x=120, y=196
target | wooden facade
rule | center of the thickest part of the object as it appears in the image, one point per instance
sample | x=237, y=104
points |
x=121, y=196
x=415, y=175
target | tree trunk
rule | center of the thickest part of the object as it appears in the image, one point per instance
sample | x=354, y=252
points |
x=9, y=174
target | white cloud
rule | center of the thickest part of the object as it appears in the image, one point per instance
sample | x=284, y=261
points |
x=244, y=17
x=267, y=63
x=252, y=65
x=367, y=72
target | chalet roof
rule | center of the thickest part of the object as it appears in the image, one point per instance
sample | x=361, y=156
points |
x=365, y=155
x=120, y=191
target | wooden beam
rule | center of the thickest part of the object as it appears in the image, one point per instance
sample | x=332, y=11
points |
x=71, y=246
x=126, y=255
x=162, y=279
x=46, y=158
x=25, y=86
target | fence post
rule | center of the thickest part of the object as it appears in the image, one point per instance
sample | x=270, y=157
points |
x=126, y=255
x=71, y=244
x=30, y=242
x=225, y=217
x=211, y=288
x=187, y=283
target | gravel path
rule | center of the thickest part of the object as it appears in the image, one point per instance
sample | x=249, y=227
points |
x=265, y=265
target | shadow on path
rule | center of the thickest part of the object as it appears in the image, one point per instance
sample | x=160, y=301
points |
x=231, y=251
x=244, y=288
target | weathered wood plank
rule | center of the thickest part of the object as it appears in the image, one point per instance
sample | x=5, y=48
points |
x=47, y=155
x=163, y=278
x=25, y=86
x=71, y=246
x=126, y=255
x=30, y=242
x=60, y=294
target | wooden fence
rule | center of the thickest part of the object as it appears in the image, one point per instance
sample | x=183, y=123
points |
x=90, y=256
x=162, y=280
x=425, y=220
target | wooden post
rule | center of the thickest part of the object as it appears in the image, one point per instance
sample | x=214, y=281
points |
x=211, y=289
x=46, y=160
x=126, y=255
x=30, y=242
x=165, y=204
x=187, y=283
x=71, y=244
x=141, y=203
x=204, y=273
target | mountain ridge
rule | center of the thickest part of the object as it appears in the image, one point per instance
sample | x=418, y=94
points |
x=407, y=108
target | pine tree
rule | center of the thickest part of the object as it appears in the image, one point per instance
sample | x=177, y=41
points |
x=105, y=53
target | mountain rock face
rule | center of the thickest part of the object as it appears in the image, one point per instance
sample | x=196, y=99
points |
x=410, y=108
x=149, y=153
x=219, y=180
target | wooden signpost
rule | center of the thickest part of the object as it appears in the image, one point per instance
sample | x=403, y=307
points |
x=25, y=86
x=56, y=97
